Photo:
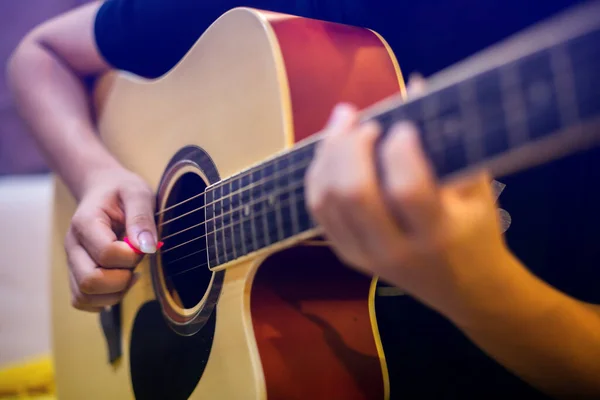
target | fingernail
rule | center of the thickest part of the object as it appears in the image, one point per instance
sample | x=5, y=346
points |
x=147, y=243
x=339, y=115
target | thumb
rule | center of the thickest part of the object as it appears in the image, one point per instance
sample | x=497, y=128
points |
x=138, y=204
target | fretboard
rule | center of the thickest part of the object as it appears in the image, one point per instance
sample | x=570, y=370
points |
x=485, y=117
x=259, y=207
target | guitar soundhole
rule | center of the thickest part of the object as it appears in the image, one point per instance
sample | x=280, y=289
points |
x=184, y=257
x=184, y=286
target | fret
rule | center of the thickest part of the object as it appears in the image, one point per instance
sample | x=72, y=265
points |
x=229, y=247
x=269, y=189
x=541, y=105
x=513, y=105
x=248, y=221
x=490, y=103
x=279, y=188
x=218, y=224
x=299, y=160
x=286, y=198
x=472, y=111
x=211, y=242
x=452, y=130
x=563, y=82
x=427, y=110
x=293, y=200
x=585, y=57
x=239, y=245
x=229, y=221
x=304, y=217
x=225, y=220
x=258, y=210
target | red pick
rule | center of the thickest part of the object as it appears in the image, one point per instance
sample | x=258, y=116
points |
x=136, y=250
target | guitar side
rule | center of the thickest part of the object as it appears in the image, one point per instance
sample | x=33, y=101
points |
x=292, y=324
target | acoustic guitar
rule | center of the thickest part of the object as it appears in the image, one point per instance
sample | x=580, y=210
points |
x=245, y=300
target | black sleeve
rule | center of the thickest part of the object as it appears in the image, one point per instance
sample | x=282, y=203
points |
x=148, y=37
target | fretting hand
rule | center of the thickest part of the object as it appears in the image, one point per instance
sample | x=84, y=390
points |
x=406, y=228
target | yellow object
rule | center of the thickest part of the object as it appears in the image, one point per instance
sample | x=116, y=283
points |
x=31, y=379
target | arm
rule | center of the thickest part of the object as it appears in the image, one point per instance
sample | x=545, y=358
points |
x=46, y=74
x=547, y=338
x=443, y=246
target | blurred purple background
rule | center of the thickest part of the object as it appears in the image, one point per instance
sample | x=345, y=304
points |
x=18, y=154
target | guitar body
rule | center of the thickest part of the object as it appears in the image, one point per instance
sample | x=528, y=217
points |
x=289, y=323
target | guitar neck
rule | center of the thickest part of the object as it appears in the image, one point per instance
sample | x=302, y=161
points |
x=526, y=107
x=510, y=110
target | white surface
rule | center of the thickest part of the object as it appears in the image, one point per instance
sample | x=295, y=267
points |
x=25, y=215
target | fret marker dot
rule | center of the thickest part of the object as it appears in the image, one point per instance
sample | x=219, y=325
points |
x=271, y=200
x=246, y=210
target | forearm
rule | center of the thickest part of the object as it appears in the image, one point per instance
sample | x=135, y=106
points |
x=549, y=339
x=53, y=102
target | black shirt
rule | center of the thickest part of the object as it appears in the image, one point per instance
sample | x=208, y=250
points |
x=554, y=208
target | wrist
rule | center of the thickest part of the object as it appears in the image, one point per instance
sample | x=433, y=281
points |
x=93, y=173
x=75, y=152
x=502, y=290
x=456, y=282
x=93, y=159
x=532, y=329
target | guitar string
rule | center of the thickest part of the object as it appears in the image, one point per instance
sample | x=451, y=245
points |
x=288, y=172
x=426, y=136
x=216, y=185
x=203, y=249
x=179, y=204
x=260, y=214
x=212, y=188
x=253, y=201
